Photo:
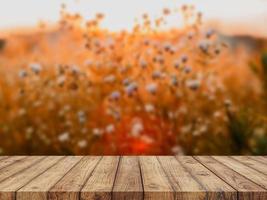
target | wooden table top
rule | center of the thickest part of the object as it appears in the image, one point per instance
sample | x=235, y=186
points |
x=133, y=177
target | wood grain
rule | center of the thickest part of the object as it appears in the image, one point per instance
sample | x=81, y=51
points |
x=15, y=182
x=38, y=188
x=248, y=161
x=246, y=188
x=4, y=162
x=185, y=186
x=128, y=182
x=69, y=187
x=215, y=187
x=3, y=157
x=133, y=178
x=18, y=166
x=155, y=181
x=99, y=185
x=261, y=159
x=248, y=172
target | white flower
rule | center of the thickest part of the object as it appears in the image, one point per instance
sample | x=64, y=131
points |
x=209, y=33
x=196, y=133
x=137, y=128
x=115, y=95
x=22, y=74
x=61, y=80
x=61, y=113
x=97, y=132
x=211, y=97
x=29, y=132
x=173, y=50
x=147, y=139
x=190, y=35
x=228, y=102
x=149, y=108
x=217, y=114
x=64, y=137
x=109, y=79
x=126, y=82
x=110, y=42
x=75, y=69
x=156, y=74
x=82, y=120
x=178, y=150
x=203, y=128
x=82, y=143
x=131, y=88
x=22, y=112
x=171, y=115
x=81, y=116
x=159, y=59
x=184, y=58
x=187, y=69
x=152, y=88
x=110, y=128
x=143, y=63
x=146, y=42
x=186, y=129
x=36, y=67
x=204, y=46
x=176, y=64
x=66, y=108
x=37, y=104
x=167, y=46
x=193, y=84
x=81, y=113
x=88, y=62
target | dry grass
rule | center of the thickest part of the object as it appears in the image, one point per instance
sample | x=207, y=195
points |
x=80, y=89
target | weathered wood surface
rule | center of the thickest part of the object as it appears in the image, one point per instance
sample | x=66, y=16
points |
x=133, y=178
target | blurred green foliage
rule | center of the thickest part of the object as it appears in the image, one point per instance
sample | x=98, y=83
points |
x=264, y=61
x=264, y=68
x=247, y=128
x=240, y=130
x=248, y=132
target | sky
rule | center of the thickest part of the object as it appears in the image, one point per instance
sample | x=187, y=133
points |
x=250, y=16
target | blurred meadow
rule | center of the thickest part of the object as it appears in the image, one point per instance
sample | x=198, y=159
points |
x=76, y=88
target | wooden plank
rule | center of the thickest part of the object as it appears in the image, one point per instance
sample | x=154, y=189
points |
x=155, y=181
x=10, y=160
x=244, y=170
x=128, y=183
x=215, y=187
x=3, y=157
x=246, y=189
x=16, y=167
x=68, y=188
x=133, y=178
x=261, y=159
x=99, y=185
x=248, y=161
x=15, y=182
x=185, y=186
x=38, y=188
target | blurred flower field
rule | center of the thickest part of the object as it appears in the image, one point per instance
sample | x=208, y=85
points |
x=79, y=89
